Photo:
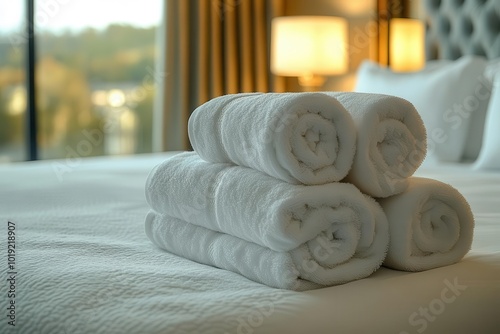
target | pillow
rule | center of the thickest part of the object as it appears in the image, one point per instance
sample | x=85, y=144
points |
x=489, y=157
x=446, y=93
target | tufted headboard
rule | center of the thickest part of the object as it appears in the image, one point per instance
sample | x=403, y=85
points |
x=460, y=27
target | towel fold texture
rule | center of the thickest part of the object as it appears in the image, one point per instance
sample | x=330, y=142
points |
x=325, y=234
x=430, y=225
x=304, y=138
x=225, y=251
x=256, y=207
x=391, y=142
x=315, y=264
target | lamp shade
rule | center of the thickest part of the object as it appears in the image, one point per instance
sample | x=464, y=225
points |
x=308, y=45
x=406, y=45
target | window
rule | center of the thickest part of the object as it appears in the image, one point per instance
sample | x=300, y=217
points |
x=95, y=79
x=12, y=82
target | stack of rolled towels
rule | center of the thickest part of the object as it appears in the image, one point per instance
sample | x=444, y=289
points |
x=306, y=190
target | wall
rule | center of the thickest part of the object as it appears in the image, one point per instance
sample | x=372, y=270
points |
x=361, y=15
x=416, y=9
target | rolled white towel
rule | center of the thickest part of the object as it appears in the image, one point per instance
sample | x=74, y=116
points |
x=256, y=207
x=391, y=142
x=430, y=225
x=304, y=138
x=275, y=215
x=324, y=261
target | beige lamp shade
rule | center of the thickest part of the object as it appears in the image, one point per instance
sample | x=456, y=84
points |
x=406, y=45
x=308, y=45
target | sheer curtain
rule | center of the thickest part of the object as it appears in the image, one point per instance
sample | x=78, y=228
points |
x=211, y=48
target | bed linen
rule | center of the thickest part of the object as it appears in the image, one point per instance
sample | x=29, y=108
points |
x=84, y=265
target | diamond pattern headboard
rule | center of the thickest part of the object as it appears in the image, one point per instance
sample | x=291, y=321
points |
x=459, y=27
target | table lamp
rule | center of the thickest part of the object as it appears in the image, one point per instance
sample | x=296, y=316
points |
x=309, y=47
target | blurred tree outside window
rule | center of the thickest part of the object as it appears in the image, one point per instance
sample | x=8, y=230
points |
x=12, y=86
x=95, y=77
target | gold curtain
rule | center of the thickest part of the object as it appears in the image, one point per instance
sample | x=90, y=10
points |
x=212, y=47
x=386, y=10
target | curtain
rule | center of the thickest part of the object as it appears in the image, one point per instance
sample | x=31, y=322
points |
x=386, y=10
x=211, y=48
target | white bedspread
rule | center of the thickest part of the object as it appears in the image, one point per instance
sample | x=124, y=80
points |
x=84, y=265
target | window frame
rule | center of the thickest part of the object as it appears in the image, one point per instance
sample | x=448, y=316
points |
x=31, y=120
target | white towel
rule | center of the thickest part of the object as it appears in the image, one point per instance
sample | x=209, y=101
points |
x=317, y=263
x=256, y=207
x=304, y=138
x=430, y=225
x=225, y=251
x=273, y=215
x=391, y=142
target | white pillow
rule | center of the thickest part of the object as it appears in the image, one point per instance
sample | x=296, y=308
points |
x=446, y=93
x=489, y=157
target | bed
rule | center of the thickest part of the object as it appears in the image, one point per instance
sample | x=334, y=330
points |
x=77, y=260
x=84, y=265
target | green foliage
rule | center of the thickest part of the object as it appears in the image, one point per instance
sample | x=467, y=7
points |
x=68, y=65
x=119, y=53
